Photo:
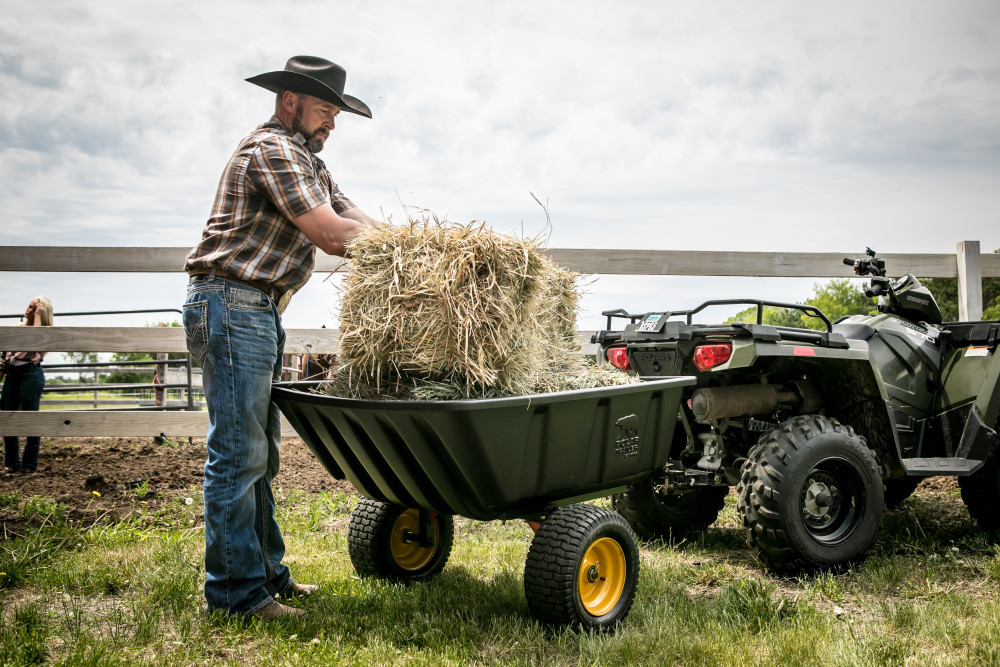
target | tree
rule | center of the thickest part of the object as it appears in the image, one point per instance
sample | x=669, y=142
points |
x=777, y=317
x=125, y=358
x=836, y=299
x=81, y=357
x=839, y=298
x=993, y=312
x=85, y=358
x=945, y=291
x=842, y=297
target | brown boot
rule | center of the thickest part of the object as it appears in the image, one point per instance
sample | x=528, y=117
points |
x=278, y=610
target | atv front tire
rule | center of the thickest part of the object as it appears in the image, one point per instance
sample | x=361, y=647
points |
x=654, y=515
x=383, y=540
x=810, y=495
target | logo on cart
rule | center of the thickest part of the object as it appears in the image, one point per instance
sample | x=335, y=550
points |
x=627, y=440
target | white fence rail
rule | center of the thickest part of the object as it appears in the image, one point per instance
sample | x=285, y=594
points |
x=968, y=265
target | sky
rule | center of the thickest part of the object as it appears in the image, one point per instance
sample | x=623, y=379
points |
x=722, y=125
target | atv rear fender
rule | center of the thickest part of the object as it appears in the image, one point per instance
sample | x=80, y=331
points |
x=970, y=370
x=843, y=378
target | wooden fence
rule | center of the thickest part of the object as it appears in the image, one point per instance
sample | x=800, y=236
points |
x=968, y=265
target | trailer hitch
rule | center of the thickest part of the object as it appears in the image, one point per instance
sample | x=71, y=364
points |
x=678, y=478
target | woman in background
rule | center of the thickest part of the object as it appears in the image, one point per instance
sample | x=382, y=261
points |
x=22, y=388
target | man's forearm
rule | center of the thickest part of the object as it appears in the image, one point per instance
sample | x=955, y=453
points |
x=327, y=230
x=358, y=215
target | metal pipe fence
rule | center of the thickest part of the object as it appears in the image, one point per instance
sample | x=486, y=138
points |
x=158, y=388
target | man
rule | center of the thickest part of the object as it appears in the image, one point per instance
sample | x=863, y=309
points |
x=276, y=203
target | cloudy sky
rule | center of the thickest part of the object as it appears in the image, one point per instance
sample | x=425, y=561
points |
x=733, y=125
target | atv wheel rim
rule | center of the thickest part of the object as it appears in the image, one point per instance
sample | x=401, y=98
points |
x=832, y=501
x=405, y=542
x=601, y=577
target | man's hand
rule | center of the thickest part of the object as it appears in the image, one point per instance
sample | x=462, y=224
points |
x=357, y=214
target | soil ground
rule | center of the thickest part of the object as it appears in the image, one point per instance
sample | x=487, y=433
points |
x=121, y=470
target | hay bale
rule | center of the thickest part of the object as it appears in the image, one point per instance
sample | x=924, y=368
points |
x=436, y=310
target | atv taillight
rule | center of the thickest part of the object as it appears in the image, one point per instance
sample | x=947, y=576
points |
x=618, y=356
x=710, y=356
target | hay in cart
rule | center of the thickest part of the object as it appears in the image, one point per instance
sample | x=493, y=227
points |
x=438, y=310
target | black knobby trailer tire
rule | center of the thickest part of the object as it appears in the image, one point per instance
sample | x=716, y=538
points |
x=567, y=580
x=376, y=529
x=653, y=515
x=777, y=495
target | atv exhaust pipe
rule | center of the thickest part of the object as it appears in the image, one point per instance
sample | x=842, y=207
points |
x=742, y=401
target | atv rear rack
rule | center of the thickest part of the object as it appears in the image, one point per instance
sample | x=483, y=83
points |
x=657, y=326
x=811, y=311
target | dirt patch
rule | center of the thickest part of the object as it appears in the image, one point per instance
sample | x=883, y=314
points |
x=938, y=484
x=106, y=476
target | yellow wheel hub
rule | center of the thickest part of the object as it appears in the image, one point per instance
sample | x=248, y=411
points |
x=405, y=542
x=601, y=577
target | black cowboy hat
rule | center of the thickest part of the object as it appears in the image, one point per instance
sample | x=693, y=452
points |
x=313, y=76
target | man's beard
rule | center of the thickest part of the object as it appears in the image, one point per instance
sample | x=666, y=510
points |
x=314, y=142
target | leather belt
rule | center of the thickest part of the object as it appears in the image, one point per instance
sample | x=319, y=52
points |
x=266, y=288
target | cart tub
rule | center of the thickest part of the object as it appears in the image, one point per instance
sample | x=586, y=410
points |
x=490, y=459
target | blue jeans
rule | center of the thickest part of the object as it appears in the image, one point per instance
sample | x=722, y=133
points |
x=234, y=332
x=22, y=390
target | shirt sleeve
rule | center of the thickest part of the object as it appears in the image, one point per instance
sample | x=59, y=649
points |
x=281, y=171
x=339, y=202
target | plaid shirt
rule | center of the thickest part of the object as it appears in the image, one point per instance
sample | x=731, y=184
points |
x=270, y=179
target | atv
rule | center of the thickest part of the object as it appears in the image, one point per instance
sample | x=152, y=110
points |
x=818, y=430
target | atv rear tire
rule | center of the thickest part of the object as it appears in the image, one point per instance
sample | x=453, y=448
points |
x=582, y=568
x=981, y=491
x=383, y=540
x=810, y=495
x=899, y=489
x=653, y=515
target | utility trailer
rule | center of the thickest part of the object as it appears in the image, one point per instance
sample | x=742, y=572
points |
x=537, y=458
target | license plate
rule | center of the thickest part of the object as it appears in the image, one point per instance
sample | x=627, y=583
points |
x=651, y=324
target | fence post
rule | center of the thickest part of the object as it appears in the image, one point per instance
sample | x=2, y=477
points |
x=970, y=281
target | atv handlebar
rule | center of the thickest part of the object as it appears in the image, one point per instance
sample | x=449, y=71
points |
x=863, y=267
x=874, y=266
x=875, y=290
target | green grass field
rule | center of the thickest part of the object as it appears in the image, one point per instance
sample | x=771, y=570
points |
x=130, y=593
x=105, y=399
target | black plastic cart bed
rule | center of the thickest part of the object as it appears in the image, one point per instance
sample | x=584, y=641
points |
x=529, y=457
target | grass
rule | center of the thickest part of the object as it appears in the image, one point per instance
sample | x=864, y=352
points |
x=72, y=400
x=130, y=593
